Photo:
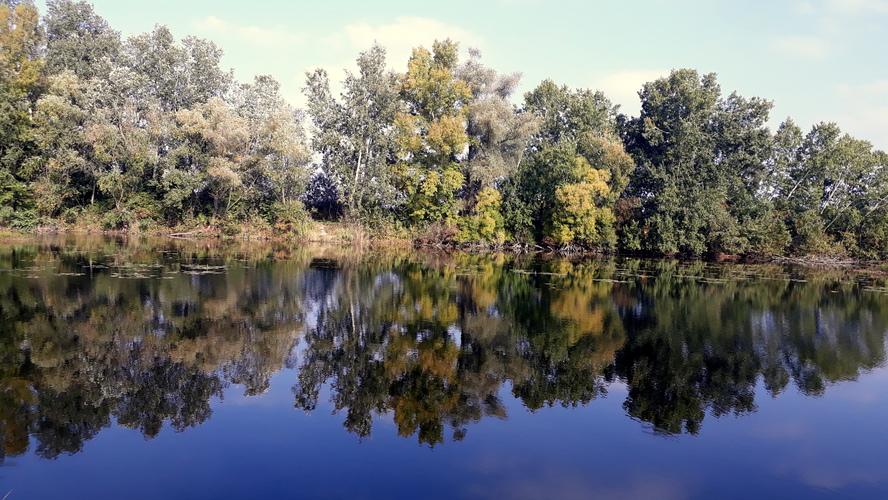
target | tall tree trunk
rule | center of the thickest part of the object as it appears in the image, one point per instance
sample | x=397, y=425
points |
x=351, y=198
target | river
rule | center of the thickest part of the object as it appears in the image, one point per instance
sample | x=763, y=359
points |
x=162, y=368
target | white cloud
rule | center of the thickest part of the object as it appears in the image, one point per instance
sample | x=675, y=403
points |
x=782, y=431
x=571, y=484
x=269, y=37
x=864, y=112
x=254, y=35
x=622, y=87
x=808, y=47
x=879, y=87
x=805, y=7
x=858, y=6
x=399, y=38
x=865, y=120
x=212, y=23
x=830, y=477
x=835, y=20
x=842, y=6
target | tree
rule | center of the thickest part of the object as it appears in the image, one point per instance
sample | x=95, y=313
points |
x=576, y=168
x=701, y=161
x=79, y=40
x=431, y=133
x=21, y=51
x=829, y=186
x=179, y=76
x=122, y=151
x=356, y=136
x=59, y=119
x=484, y=222
x=277, y=143
x=578, y=213
x=676, y=176
x=498, y=133
x=498, y=137
x=567, y=114
x=218, y=140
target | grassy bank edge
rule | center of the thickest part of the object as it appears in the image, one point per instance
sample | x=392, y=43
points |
x=358, y=235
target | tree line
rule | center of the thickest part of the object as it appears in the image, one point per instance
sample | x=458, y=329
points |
x=150, y=132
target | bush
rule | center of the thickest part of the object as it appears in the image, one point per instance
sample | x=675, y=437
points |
x=486, y=222
x=229, y=226
x=117, y=219
x=436, y=233
x=23, y=220
x=322, y=196
x=290, y=218
x=70, y=215
x=90, y=217
x=382, y=225
x=811, y=238
x=6, y=216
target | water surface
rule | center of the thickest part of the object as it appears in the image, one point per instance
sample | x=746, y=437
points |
x=197, y=369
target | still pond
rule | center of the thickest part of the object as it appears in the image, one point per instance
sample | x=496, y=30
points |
x=141, y=368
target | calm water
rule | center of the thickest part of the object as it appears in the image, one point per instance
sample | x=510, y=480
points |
x=181, y=369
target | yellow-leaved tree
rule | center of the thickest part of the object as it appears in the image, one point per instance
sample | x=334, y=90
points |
x=579, y=209
x=21, y=42
x=431, y=133
x=582, y=210
x=485, y=223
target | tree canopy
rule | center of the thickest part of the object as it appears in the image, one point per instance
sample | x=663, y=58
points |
x=151, y=132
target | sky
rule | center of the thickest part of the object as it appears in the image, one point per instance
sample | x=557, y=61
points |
x=817, y=60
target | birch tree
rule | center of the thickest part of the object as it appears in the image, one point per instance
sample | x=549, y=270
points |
x=355, y=133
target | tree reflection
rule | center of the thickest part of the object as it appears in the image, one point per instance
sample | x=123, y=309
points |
x=147, y=334
x=433, y=341
x=700, y=337
x=143, y=337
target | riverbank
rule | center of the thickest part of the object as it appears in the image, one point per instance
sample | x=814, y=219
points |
x=344, y=233
x=359, y=236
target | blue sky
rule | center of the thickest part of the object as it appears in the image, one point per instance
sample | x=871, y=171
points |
x=818, y=60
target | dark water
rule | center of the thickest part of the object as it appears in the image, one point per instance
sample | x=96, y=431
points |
x=179, y=369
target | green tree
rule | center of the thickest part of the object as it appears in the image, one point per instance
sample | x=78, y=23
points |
x=79, y=40
x=567, y=114
x=62, y=166
x=576, y=168
x=701, y=160
x=356, y=136
x=498, y=138
x=178, y=75
x=484, y=222
x=277, y=143
x=578, y=213
x=122, y=152
x=830, y=188
x=498, y=133
x=218, y=142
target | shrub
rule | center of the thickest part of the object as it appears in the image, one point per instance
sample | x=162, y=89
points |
x=6, y=215
x=290, y=218
x=117, y=219
x=436, y=233
x=23, y=220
